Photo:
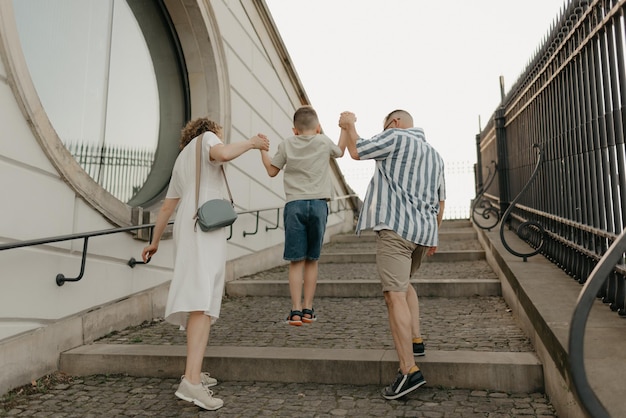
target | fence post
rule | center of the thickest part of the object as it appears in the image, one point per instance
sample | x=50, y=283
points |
x=503, y=166
x=478, y=168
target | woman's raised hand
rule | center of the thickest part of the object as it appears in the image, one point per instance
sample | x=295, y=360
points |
x=260, y=141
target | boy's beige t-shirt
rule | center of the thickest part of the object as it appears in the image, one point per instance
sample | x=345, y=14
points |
x=305, y=161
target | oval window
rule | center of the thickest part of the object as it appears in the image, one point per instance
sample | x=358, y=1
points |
x=103, y=86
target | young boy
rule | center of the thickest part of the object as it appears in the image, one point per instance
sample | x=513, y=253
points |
x=305, y=158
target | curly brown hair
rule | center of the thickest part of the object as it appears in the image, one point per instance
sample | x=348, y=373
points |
x=197, y=127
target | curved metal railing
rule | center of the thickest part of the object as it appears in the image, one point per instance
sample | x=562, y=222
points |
x=488, y=210
x=523, y=230
x=586, y=298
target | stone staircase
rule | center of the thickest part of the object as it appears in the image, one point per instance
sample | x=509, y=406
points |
x=472, y=339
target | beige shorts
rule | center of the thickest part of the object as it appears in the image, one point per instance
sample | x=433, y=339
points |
x=396, y=260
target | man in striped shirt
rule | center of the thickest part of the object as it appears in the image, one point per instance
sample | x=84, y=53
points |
x=404, y=204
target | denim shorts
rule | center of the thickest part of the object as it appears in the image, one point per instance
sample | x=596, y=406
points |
x=305, y=225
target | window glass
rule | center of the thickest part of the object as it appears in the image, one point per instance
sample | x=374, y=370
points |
x=95, y=77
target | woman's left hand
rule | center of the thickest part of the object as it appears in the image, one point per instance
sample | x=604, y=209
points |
x=148, y=252
x=260, y=141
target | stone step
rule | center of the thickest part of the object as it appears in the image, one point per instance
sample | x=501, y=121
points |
x=447, y=288
x=456, y=223
x=459, y=279
x=472, y=339
x=370, y=256
x=358, y=246
x=467, y=270
x=481, y=323
x=502, y=371
x=448, y=234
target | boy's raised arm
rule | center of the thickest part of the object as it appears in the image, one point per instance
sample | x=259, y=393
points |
x=343, y=141
x=272, y=171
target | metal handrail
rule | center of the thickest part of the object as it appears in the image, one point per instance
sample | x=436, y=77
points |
x=276, y=225
x=60, y=278
x=586, y=298
x=521, y=232
x=132, y=262
x=70, y=237
x=480, y=202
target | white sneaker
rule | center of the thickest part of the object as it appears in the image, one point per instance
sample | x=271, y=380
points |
x=207, y=380
x=199, y=394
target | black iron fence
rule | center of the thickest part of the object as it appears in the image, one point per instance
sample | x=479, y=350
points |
x=122, y=171
x=570, y=104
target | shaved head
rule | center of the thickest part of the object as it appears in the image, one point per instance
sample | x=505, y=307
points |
x=403, y=118
x=305, y=119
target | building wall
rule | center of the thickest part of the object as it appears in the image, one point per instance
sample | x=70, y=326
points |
x=239, y=79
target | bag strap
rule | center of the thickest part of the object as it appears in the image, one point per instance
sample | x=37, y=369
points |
x=198, y=170
x=230, y=196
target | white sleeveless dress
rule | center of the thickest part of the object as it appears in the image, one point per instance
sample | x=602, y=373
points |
x=200, y=257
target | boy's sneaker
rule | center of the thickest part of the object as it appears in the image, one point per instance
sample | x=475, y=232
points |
x=418, y=349
x=294, y=318
x=199, y=394
x=308, y=316
x=207, y=380
x=404, y=384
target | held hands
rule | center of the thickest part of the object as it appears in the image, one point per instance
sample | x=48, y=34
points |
x=260, y=142
x=346, y=119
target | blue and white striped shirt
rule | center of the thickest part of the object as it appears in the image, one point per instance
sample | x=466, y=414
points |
x=406, y=188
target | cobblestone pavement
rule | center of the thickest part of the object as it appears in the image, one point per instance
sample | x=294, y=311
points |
x=123, y=396
x=476, y=323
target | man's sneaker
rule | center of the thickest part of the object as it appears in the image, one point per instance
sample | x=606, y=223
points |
x=404, y=384
x=199, y=394
x=207, y=380
x=418, y=349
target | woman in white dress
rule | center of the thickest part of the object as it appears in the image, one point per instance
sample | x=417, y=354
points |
x=195, y=294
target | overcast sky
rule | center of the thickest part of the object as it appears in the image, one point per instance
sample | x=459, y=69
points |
x=440, y=60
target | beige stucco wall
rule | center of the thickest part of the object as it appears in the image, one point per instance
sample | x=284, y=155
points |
x=255, y=93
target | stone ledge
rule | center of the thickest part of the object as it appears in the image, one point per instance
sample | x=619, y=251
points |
x=543, y=298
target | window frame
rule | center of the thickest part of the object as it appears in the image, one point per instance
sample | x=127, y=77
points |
x=195, y=27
